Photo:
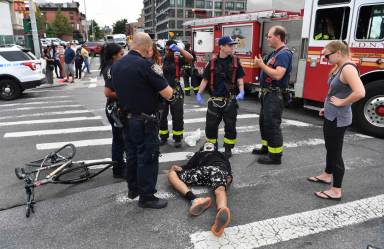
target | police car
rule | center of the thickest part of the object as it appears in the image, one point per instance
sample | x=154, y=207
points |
x=19, y=70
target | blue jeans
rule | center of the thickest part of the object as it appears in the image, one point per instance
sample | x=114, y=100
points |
x=86, y=65
x=142, y=150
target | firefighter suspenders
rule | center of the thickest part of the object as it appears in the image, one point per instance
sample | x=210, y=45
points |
x=212, y=70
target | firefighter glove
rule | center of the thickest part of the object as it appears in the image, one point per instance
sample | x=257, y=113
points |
x=240, y=96
x=174, y=48
x=199, y=99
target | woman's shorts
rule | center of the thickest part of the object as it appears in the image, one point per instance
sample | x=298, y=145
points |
x=209, y=176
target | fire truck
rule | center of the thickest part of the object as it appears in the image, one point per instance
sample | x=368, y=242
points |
x=358, y=22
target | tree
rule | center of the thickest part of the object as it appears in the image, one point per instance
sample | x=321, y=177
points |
x=94, y=29
x=60, y=26
x=119, y=26
x=40, y=20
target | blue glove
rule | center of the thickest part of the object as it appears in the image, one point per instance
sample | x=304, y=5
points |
x=240, y=96
x=174, y=48
x=199, y=99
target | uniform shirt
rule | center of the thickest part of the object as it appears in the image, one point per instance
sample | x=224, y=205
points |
x=222, y=73
x=169, y=69
x=69, y=55
x=208, y=158
x=279, y=58
x=137, y=83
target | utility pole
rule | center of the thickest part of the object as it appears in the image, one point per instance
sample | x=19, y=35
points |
x=86, y=22
x=35, y=35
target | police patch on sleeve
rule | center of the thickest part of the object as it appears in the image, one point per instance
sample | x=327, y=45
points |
x=157, y=69
x=109, y=76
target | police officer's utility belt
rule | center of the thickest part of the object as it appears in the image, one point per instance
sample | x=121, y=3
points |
x=271, y=89
x=143, y=116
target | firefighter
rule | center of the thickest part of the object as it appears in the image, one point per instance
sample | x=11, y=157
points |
x=172, y=64
x=188, y=73
x=274, y=78
x=224, y=74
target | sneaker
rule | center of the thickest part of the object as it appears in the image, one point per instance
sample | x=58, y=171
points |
x=223, y=217
x=199, y=205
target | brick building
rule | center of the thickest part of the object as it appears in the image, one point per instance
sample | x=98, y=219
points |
x=69, y=10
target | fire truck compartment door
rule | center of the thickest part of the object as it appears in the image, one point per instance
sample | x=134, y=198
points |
x=203, y=41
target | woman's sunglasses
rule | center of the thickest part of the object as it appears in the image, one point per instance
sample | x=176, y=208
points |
x=327, y=55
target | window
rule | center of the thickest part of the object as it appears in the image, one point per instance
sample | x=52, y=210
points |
x=218, y=13
x=229, y=5
x=218, y=5
x=180, y=13
x=208, y=4
x=171, y=13
x=188, y=14
x=371, y=23
x=325, y=2
x=171, y=24
x=15, y=56
x=189, y=3
x=199, y=3
x=180, y=3
x=327, y=27
x=240, y=6
x=179, y=24
x=171, y=3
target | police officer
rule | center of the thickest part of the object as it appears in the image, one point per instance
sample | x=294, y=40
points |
x=224, y=74
x=137, y=82
x=172, y=64
x=274, y=78
x=187, y=73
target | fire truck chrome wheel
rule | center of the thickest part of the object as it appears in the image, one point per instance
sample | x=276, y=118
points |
x=374, y=110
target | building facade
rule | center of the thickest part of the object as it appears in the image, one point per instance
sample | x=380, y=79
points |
x=164, y=18
x=69, y=10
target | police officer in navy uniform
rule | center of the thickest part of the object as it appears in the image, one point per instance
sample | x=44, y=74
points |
x=274, y=78
x=138, y=82
x=174, y=59
x=224, y=74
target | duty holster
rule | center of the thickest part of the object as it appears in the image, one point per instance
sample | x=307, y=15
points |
x=112, y=110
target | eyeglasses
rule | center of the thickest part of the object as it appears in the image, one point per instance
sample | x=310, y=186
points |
x=327, y=55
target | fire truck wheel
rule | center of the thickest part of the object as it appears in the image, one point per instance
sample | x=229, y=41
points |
x=369, y=111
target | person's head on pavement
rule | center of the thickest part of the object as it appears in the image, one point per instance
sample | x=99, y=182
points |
x=142, y=43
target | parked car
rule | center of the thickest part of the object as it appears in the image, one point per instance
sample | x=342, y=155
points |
x=19, y=70
x=94, y=48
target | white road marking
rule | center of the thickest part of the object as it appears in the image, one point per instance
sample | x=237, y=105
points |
x=41, y=107
x=202, y=120
x=48, y=121
x=45, y=114
x=37, y=103
x=277, y=230
x=80, y=143
x=57, y=131
x=43, y=91
x=50, y=97
x=203, y=109
x=93, y=85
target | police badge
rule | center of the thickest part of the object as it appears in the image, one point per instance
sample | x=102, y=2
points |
x=157, y=69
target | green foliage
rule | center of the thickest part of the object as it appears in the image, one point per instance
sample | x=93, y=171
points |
x=94, y=30
x=40, y=20
x=60, y=26
x=119, y=26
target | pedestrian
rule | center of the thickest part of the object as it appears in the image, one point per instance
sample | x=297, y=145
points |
x=85, y=54
x=187, y=72
x=79, y=63
x=224, y=74
x=174, y=59
x=137, y=82
x=345, y=88
x=109, y=54
x=274, y=78
x=69, y=63
x=50, y=64
x=208, y=168
x=56, y=56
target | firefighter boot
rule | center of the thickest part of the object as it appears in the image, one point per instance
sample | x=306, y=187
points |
x=270, y=159
x=163, y=141
x=262, y=151
x=228, y=152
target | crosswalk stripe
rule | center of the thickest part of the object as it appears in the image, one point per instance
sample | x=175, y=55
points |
x=50, y=97
x=285, y=228
x=80, y=143
x=47, y=121
x=203, y=109
x=201, y=120
x=37, y=103
x=57, y=131
x=40, y=108
x=46, y=114
x=44, y=91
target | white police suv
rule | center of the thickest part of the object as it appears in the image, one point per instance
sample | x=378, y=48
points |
x=19, y=70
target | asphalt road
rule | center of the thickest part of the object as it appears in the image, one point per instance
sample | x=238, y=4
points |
x=272, y=206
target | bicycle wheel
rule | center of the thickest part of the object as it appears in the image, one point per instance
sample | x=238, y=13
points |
x=62, y=154
x=83, y=172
